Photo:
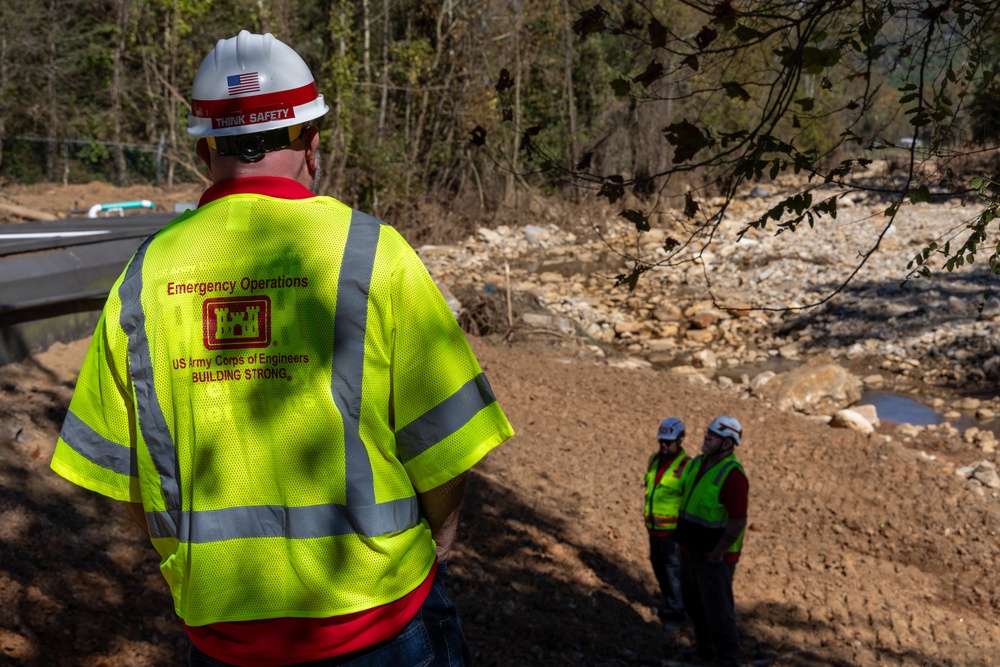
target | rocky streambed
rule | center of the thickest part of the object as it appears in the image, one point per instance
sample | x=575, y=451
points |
x=763, y=314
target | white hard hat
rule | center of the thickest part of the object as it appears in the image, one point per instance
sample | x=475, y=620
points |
x=726, y=427
x=252, y=83
x=670, y=429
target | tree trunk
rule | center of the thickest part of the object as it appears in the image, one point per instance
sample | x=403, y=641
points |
x=511, y=190
x=52, y=106
x=171, y=37
x=4, y=82
x=571, y=145
x=366, y=30
x=386, y=37
x=116, y=92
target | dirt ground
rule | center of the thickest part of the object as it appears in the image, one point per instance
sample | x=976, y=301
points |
x=860, y=551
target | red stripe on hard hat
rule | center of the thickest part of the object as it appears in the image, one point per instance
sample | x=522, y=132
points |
x=252, y=103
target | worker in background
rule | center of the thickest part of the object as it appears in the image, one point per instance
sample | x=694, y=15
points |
x=664, y=478
x=282, y=397
x=710, y=528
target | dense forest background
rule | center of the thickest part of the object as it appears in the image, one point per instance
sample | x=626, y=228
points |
x=466, y=103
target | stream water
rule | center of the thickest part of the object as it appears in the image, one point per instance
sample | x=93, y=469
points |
x=904, y=410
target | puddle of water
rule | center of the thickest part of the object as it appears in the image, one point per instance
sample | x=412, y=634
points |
x=903, y=410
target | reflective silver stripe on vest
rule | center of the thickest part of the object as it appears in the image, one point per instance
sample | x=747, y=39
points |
x=722, y=472
x=152, y=423
x=350, y=322
x=702, y=522
x=232, y=523
x=445, y=418
x=97, y=449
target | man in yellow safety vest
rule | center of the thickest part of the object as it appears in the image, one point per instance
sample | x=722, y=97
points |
x=710, y=527
x=664, y=485
x=283, y=399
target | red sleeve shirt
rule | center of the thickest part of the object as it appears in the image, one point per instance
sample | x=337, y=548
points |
x=733, y=494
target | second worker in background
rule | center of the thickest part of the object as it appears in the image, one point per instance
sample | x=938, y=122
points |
x=664, y=478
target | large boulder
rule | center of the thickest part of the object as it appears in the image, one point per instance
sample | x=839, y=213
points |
x=819, y=387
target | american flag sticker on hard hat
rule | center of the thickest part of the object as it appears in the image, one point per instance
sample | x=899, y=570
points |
x=243, y=83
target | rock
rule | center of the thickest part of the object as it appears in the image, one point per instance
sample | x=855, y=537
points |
x=661, y=344
x=537, y=235
x=489, y=236
x=873, y=381
x=789, y=351
x=869, y=412
x=705, y=359
x=628, y=326
x=817, y=387
x=704, y=319
x=761, y=379
x=986, y=473
x=852, y=420
x=453, y=303
x=667, y=312
x=985, y=415
x=702, y=336
x=738, y=309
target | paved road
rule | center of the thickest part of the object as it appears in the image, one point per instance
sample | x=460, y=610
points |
x=55, y=275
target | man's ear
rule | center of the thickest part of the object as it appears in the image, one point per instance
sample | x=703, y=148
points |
x=204, y=153
x=312, y=146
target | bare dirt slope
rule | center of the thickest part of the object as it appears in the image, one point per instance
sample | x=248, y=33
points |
x=857, y=553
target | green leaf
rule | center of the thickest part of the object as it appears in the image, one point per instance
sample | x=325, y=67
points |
x=705, y=37
x=921, y=194
x=691, y=61
x=815, y=60
x=690, y=205
x=746, y=34
x=591, y=21
x=505, y=82
x=657, y=34
x=613, y=188
x=735, y=90
x=637, y=218
x=687, y=139
x=621, y=88
x=807, y=104
x=477, y=136
x=654, y=71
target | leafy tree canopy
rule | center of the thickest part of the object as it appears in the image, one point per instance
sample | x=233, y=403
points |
x=756, y=90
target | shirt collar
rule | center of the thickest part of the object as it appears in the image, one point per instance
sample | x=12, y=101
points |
x=269, y=186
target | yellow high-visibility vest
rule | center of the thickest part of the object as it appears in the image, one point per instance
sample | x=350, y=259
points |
x=664, y=499
x=275, y=380
x=703, y=518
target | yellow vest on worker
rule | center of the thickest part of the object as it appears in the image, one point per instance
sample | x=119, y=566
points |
x=275, y=380
x=664, y=499
x=703, y=518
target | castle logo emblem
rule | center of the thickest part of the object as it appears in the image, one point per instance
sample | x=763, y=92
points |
x=236, y=322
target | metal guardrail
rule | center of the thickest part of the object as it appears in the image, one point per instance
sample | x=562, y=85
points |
x=55, y=277
x=40, y=309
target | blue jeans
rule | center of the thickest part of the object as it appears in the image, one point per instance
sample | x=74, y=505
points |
x=432, y=639
x=667, y=568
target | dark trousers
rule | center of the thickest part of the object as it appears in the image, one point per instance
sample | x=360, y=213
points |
x=708, y=600
x=433, y=638
x=667, y=568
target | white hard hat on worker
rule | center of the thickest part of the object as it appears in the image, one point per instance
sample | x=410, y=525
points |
x=727, y=432
x=252, y=85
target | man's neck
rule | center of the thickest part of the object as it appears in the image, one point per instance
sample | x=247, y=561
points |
x=712, y=459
